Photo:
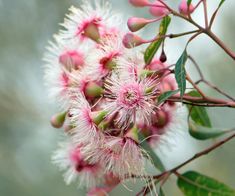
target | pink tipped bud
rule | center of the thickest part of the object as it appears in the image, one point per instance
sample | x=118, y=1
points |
x=158, y=9
x=98, y=117
x=135, y=24
x=57, y=120
x=72, y=59
x=139, y=3
x=92, y=90
x=131, y=40
x=91, y=31
x=185, y=9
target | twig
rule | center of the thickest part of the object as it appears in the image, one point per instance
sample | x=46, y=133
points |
x=205, y=13
x=217, y=89
x=213, y=16
x=206, y=30
x=201, y=100
x=197, y=66
x=167, y=173
x=195, y=86
x=204, y=152
x=202, y=79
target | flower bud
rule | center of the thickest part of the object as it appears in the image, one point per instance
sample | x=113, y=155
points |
x=131, y=40
x=158, y=9
x=91, y=31
x=98, y=117
x=163, y=57
x=72, y=59
x=133, y=134
x=185, y=9
x=57, y=120
x=139, y=3
x=135, y=24
x=92, y=90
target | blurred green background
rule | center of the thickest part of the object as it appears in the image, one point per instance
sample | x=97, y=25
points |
x=26, y=137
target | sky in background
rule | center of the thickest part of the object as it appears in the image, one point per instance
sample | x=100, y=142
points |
x=26, y=137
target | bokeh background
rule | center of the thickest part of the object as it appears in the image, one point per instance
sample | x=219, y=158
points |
x=26, y=137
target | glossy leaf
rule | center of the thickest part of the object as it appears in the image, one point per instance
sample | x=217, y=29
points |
x=204, y=133
x=197, y=113
x=221, y=2
x=180, y=73
x=164, y=96
x=154, y=158
x=154, y=46
x=193, y=183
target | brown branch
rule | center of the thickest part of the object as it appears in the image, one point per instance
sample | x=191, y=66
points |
x=204, y=152
x=165, y=175
x=217, y=89
x=220, y=43
x=195, y=86
x=205, y=13
x=200, y=104
x=201, y=100
x=202, y=79
x=205, y=30
x=197, y=66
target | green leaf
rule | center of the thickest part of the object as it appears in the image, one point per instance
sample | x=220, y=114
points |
x=221, y=3
x=204, y=133
x=155, y=159
x=154, y=46
x=180, y=73
x=199, y=114
x=193, y=183
x=151, y=51
x=164, y=96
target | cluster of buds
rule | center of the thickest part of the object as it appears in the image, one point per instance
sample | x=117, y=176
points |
x=159, y=9
x=108, y=96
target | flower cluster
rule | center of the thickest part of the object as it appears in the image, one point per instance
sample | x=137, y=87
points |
x=108, y=96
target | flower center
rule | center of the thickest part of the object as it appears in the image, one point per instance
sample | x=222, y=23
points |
x=130, y=96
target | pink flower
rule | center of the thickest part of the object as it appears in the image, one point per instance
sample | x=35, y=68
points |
x=92, y=21
x=62, y=59
x=71, y=159
x=167, y=124
x=131, y=98
x=122, y=156
x=86, y=82
x=103, y=58
x=81, y=117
